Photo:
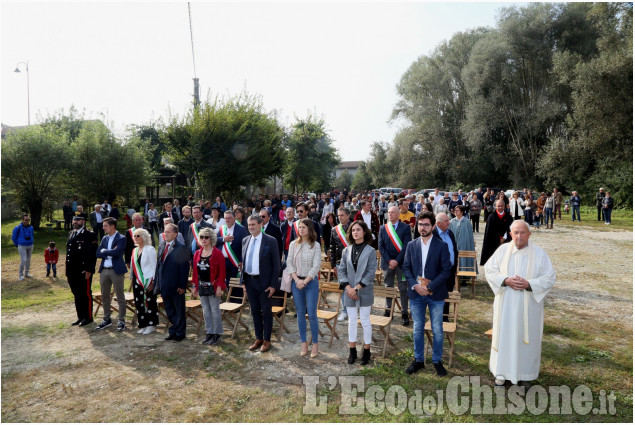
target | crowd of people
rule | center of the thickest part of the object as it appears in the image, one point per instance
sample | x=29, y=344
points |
x=268, y=239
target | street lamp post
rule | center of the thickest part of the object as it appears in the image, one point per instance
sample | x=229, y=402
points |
x=28, y=91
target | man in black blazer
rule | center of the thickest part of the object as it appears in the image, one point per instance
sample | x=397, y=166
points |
x=443, y=232
x=303, y=212
x=426, y=276
x=190, y=235
x=394, y=236
x=173, y=269
x=167, y=213
x=229, y=241
x=271, y=230
x=259, y=274
x=288, y=231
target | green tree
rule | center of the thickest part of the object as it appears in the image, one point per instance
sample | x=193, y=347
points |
x=362, y=179
x=225, y=145
x=377, y=165
x=310, y=156
x=35, y=166
x=102, y=167
x=344, y=181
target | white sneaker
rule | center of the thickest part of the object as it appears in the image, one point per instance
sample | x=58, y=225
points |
x=149, y=330
x=499, y=382
x=142, y=330
x=343, y=316
x=20, y=277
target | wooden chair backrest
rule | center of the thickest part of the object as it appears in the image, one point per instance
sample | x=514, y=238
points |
x=467, y=268
x=323, y=301
x=238, y=299
x=453, y=299
x=381, y=293
x=282, y=297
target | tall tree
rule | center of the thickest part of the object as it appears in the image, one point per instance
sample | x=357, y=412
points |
x=103, y=167
x=362, y=179
x=35, y=166
x=310, y=156
x=344, y=181
x=226, y=145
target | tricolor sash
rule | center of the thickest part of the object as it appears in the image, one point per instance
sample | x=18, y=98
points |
x=394, y=238
x=136, y=269
x=339, y=229
x=195, y=235
x=295, y=227
x=227, y=248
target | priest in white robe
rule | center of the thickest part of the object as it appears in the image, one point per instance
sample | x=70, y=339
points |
x=521, y=275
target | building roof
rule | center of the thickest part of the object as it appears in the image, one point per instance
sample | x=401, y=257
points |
x=349, y=164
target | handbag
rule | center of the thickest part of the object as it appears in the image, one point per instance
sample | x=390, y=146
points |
x=206, y=289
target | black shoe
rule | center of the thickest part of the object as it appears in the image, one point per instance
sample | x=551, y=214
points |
x=215, y=339
x=86, y=322
x=440, y=369
x=170, y=337
x=352, y=356
x=121, y=326
x=179, y=338
x=208, y=338
x=415, y=366
x=405, y=320
x=48, y=274
x=386, y=314
x=76, y=322
x=365, y=356
x=104, y=324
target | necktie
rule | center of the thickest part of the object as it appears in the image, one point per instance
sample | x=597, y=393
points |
x=250, y=257
x=165, y=252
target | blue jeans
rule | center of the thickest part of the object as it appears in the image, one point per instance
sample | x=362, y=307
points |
x=575, y=209
x=529, y=217
x=548, y=216
x=607, y=214
x=306, y=302
x=418, y=310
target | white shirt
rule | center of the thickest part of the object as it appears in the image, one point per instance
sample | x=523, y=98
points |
x=230, y=231
x=108, y=260
x=425, y=247
x=98, y=217
x=253, y=264
x=367, y=218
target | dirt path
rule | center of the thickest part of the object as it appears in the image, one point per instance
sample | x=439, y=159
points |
x=54, y=372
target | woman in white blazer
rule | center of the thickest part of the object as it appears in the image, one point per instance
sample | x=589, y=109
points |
x=516, y=206
x=142, y=268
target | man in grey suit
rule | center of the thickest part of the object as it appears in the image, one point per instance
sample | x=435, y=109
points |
x=259, y=274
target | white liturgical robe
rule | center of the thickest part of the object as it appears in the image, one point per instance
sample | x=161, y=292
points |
x=518, y=315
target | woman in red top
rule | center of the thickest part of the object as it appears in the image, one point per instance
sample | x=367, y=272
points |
x=208, y=277
x=51, y=255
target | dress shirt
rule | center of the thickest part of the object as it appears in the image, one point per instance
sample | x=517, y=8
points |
x=98, y=217
x=253, y=255
x=445, y=237
x=367, y=219
x=230, y=231
x=425, y=246
x=108, y=260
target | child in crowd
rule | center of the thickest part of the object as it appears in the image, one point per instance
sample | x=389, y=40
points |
x=51, y=255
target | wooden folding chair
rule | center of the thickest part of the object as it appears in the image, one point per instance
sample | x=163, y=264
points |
x=466, y=270
x=383, y=323
x=279, y=313
x=130, y=304
x=325, y=308
x=326, y=271
x=449, y=328
x=98, y=301
x=194, y=311
x=234, y=306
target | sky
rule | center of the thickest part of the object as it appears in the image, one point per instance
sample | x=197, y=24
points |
x=131, y=62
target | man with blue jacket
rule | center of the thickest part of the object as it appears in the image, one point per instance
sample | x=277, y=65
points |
x=427, y=268
x=22, y=238
x=112, y=271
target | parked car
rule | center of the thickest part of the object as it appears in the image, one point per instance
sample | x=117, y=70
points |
x=387, y=191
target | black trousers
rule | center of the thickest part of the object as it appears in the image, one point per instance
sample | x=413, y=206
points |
x=260, y=305
x=475, y=222
x=174, y=305
x=81, y=289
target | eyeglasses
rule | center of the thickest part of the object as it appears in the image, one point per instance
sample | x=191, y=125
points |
x=424, y=224
x=136, y=236
x=263, y=216
x=204, y=237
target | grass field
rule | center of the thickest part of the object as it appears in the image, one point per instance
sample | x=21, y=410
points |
x=583, y=344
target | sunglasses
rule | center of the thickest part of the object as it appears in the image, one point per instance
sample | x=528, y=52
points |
x=136, y=236
x=204, y=237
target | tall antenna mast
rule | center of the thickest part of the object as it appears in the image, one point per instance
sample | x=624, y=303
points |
x=197, y=100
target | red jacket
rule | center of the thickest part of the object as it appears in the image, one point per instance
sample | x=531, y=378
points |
x=216, y=271
x=51, y=256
